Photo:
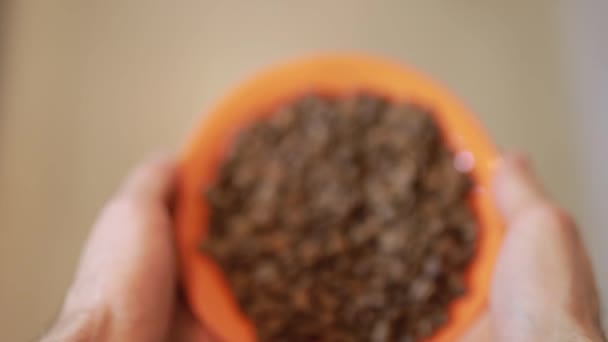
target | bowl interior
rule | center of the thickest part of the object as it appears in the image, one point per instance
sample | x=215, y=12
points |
x=206, y=289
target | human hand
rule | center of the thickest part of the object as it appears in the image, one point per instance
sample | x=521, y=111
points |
x=543, y=287
x=125, y=286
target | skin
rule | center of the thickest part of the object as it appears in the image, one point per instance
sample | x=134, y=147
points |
x=543, y=287
x=125, y=288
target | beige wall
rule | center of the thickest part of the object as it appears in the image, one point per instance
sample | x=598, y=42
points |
x=586, y=49
x=95, y=85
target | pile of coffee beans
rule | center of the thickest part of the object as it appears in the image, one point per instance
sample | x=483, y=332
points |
x=342, y=219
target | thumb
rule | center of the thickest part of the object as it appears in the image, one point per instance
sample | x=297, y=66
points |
x=125, y=283
x=543, y=286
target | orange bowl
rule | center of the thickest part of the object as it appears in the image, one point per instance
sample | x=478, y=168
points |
x=207, y=291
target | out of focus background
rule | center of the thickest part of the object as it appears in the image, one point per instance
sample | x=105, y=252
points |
x=91, y=87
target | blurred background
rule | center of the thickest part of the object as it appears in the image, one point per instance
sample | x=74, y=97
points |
x=91, y=87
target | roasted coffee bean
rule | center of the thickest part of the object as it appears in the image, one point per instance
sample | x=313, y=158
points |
x=422, y=289
x=342, y=220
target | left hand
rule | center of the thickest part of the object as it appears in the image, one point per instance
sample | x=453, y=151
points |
x=125, y=288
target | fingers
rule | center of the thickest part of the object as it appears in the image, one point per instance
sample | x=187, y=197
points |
x=136, y=218
x=517, y=191
x=151, y=181
x=542, y=279
x=127, y=269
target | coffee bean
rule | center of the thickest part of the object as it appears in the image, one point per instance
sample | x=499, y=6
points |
x=381, y=331
x=422, y=289
x=301, y=299
x=266, y=272
x=433, y=266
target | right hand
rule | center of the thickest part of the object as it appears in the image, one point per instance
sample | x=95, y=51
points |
x=543, y=287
